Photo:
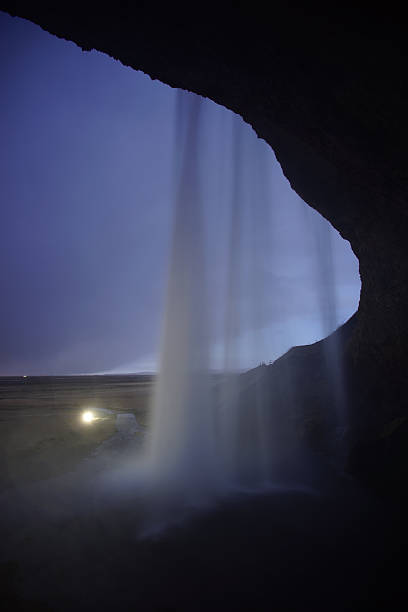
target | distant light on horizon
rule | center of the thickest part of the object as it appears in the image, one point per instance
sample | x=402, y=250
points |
x=88, y=416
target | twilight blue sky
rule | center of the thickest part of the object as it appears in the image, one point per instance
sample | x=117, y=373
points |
x=86, y=181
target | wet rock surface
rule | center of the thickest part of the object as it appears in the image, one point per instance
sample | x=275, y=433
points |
x=325, y=545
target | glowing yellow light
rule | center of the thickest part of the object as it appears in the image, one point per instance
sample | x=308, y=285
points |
x=87, y=416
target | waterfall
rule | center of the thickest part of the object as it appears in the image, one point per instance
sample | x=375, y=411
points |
x=211, y=426
x=181, y=452
x=199, y=447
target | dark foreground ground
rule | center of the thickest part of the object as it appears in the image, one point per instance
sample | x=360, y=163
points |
x=318, y=542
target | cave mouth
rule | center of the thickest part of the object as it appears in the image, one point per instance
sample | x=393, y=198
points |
x=92, y=220
x=338, y=536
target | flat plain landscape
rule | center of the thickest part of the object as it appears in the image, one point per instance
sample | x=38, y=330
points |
x=42, y=433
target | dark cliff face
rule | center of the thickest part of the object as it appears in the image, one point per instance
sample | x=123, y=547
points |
x=328, y=92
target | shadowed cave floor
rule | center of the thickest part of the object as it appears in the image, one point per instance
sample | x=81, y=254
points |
x=328, y=546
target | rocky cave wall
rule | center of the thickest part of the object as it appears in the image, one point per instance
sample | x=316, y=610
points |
x=328, y=92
